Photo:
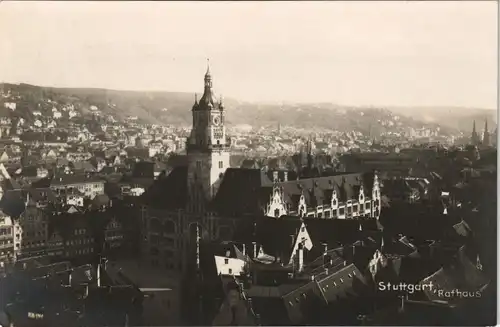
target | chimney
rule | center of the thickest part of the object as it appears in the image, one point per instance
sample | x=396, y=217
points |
x=244, y=249
x=254, y=249
x=99, y=275
x=300, y=257
x=285, y=176
x=275, y=176
x=402, y=307
x=126, y=320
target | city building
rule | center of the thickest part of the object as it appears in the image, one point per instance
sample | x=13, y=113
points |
x=7, y=231
x=86, y=184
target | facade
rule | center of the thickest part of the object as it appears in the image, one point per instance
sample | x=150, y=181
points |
x=87, y=185
x=75, y=232
x=33, y=228
x=7, y=229
x=113, y=235
x=342, y=196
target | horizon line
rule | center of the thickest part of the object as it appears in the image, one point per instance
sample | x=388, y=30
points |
x=274, y=102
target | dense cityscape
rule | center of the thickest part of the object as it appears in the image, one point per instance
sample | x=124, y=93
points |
x=119, y=222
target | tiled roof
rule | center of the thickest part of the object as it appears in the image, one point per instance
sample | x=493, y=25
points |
x=85, y=166
x=240, y=192
x=318, y=191
x=335, y=232
x=12, y=203
x=274, y=235
x=69, y=179
x=344, y=283
x=170, y=192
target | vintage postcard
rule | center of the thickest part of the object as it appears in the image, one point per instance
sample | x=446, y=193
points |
x=218, y=163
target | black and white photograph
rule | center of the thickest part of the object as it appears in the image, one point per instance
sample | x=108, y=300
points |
x=248, y=163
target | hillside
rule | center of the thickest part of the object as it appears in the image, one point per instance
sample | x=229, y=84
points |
x=175, y=108
x=454, y=117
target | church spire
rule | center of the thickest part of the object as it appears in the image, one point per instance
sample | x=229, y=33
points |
x=475, y=136
x=196, y=98
x=486, y=134
x=309, y=154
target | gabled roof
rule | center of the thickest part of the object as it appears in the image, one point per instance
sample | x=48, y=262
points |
x=318, y=191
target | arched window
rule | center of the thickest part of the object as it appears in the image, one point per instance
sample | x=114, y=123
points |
x=169, y=227
x=277, y=213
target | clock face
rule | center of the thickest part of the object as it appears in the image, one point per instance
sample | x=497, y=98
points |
x=216, y=120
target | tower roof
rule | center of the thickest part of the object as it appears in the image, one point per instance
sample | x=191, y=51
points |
x=209, y=99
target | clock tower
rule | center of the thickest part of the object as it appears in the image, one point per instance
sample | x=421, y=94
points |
x=207, y=147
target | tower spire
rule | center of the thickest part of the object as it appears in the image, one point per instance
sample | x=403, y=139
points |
x=221, y=102
x=208, y=67
x=208, y=77
x=486, y=134
x=196, y=98
x=475, y=136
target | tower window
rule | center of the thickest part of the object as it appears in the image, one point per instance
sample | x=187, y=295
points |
x=221, y=164
x=218, y=142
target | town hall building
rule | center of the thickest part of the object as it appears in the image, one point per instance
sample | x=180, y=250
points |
x=207, y=198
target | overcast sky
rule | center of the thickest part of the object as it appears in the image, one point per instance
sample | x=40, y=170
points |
x=352, y=53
